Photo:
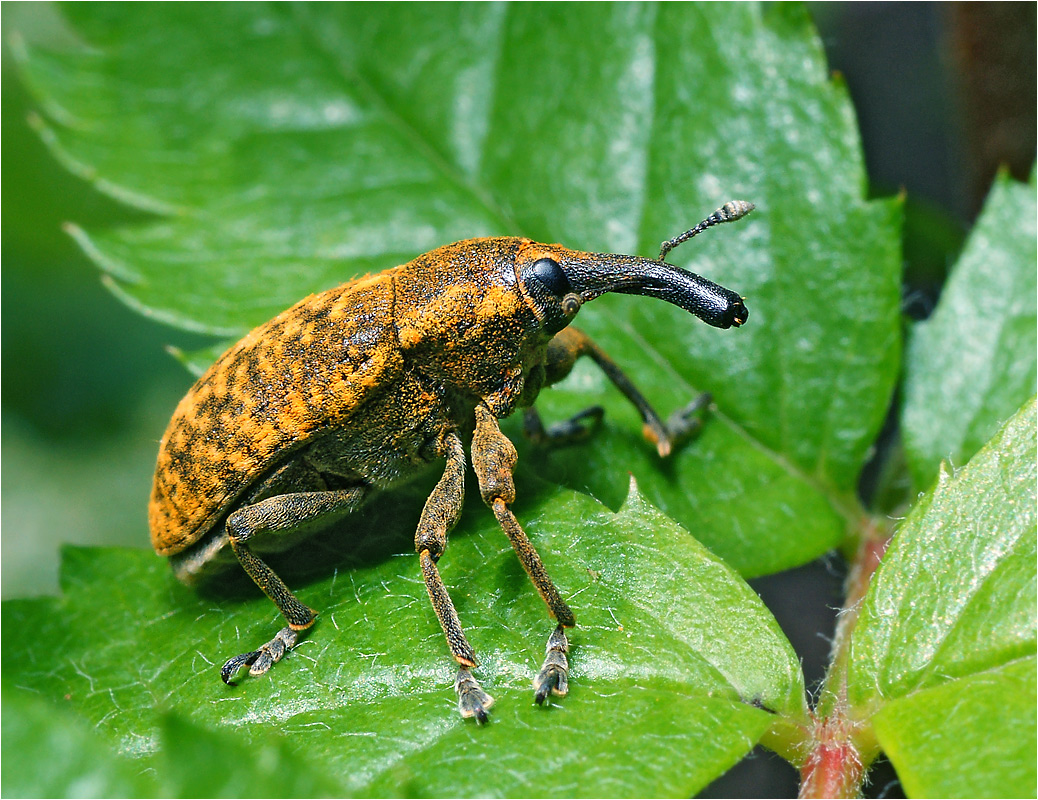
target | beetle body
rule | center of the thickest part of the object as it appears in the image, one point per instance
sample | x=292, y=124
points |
x=363, y=386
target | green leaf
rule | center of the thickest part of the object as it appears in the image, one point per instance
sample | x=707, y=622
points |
x=950, y=610
x=955, y=593
x=59, y=755
x=972, y=737
x=672, y=649
x=53, y=752
x=194, y=762
x=198, y=361
x=285, y=148
x=972, y=364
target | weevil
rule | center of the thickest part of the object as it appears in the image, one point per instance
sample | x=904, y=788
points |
x=362, y=387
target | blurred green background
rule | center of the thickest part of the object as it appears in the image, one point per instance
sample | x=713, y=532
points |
x=88, y=387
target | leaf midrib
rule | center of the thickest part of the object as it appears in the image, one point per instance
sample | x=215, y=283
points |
x=451, y=172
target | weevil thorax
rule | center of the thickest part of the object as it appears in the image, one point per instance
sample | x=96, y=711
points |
x=463, y=319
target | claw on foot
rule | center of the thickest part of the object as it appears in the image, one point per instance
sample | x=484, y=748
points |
x=680, y=426
x=259, y=661
x=578, y=427
x=229, y=671
x=554, y=675
x=688, y=420
x=472, y=700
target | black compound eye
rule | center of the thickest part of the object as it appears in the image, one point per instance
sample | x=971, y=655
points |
x=550, y=275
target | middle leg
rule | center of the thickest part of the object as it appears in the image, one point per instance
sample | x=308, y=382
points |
x=439, y=515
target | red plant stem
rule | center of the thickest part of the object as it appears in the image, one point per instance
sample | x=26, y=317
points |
x=836, y=763
x=835, y=767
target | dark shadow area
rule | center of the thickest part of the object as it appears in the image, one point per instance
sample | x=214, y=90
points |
x=805, y=602
x=882, y=782
x=382, y=528
x=761, y=774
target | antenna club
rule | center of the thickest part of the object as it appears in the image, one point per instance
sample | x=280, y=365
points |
x=729, y=212
x=733, y=210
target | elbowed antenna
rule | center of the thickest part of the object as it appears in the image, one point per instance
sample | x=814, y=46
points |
x=729, y=212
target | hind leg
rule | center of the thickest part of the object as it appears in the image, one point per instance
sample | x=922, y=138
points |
x=280, y=515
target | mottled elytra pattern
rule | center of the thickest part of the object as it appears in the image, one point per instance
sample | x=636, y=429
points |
x=363, y=386
x=306, y=370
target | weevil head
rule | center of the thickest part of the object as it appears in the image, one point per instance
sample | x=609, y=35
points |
x=557, y=281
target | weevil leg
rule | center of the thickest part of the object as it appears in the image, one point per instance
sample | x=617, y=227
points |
x=576, y=428
x=570, y=344
x=472, y=700
x=259, y=661
x=279, y=515
x=493, y=458
x=684, y=423
x=554, y=675
x=439, y=515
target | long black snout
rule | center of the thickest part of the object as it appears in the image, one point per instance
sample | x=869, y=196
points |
x=599, y=273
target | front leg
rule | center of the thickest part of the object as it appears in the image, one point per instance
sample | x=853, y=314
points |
x=493, y=459
x=562, y=353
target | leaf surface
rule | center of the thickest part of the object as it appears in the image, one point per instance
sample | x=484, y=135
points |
x=672, y=652
x=946, y=636
x=287, y=148
x=971, y=364
x=955, y=593
x=972, y=737
x=58, y=755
